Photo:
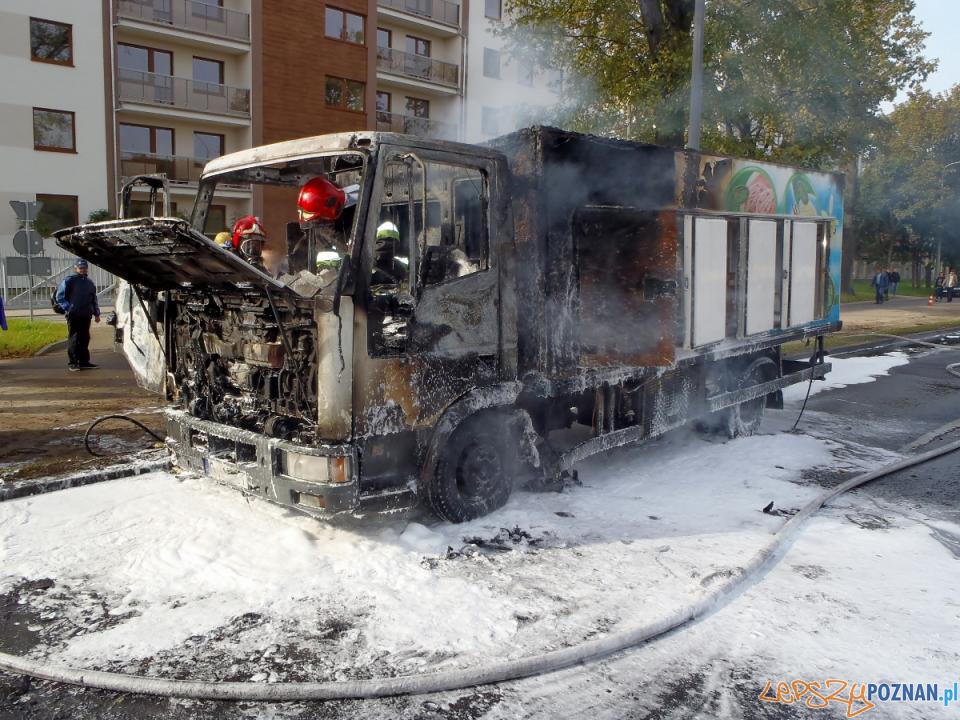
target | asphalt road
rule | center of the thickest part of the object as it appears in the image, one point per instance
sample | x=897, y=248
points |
x=913, y=401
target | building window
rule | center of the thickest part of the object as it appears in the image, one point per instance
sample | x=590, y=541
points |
x=418, y=46
x=58, y=212
x=54, y=130
x=384, y=101
x=493, y=9
x=384, y=38
x=146, y=140
x=525, y=73
x=207, y=73
x=418, y=108
x=207, y=146
x=51, y=42
x=216, y=219
x=490, y=121
x=144, y=59
x=491, y=63
x=345, y=94
x=343, y=25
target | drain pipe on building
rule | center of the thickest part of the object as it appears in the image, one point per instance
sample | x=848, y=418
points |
x=764, y=560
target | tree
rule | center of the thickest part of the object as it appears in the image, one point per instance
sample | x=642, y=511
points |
x=797, y=81
x=911, y=199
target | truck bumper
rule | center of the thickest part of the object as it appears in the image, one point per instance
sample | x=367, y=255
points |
x=318, y=480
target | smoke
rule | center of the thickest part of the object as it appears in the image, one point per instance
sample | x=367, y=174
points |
x=537, y=86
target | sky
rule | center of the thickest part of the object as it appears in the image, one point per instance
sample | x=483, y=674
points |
x=940, y=18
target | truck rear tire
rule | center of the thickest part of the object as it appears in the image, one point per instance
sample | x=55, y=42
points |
x=744, y=419
x=474, y=475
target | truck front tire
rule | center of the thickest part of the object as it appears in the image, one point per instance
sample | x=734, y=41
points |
x=474, y=475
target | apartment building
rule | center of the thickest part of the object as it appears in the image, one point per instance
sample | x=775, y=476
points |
x=502, y=93
x=420, y=49
x=180, y=83
x=96, y=91
x=53, y=115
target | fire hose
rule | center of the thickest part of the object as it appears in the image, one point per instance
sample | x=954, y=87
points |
x=761, y=563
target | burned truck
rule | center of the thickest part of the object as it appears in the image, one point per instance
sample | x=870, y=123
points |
x=546, y=296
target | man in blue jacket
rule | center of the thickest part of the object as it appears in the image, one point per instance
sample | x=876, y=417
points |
x=77, y=295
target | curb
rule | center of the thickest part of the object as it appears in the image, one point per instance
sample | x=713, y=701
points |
x=113, y=472
x=51, y=348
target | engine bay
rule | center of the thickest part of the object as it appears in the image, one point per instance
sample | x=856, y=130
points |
x=247, y=359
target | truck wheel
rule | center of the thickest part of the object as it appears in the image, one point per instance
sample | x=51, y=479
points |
x=474, y=474
x=744, y=419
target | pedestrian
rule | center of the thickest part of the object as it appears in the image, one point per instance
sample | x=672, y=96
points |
x=879, y=283
x=938, y=286
x=77, y=295
x=950, y=284
x=894, y=281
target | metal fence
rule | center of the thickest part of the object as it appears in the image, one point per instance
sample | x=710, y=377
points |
x=423, y=127
x=178, y=169
x=202, y=17
x=154, y=89
x=418, y=66
x=18, y=292
x=441, y=11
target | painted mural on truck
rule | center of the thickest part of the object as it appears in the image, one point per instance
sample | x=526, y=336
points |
x=748, y=186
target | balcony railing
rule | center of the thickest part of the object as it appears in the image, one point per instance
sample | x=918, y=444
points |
x=418, y=67
x=178, y=169
x=174, y=92
x=189, y=15
x=424, y=127
x=440, y=11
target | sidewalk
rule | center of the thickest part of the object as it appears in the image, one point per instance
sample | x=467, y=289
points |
x=46, y=409
x=899, y=312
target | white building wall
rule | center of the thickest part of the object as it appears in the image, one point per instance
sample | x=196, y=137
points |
x=506, y=99
x=25, y=84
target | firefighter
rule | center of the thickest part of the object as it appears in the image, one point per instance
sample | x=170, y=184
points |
x=249, y=239
x=224, y=239
x=388, y=269
x=319, y=205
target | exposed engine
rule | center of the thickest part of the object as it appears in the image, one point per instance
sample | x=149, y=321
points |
x=238, y=363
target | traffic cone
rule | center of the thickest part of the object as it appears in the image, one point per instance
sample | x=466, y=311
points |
x=930, y=300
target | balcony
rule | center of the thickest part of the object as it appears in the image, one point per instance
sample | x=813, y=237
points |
x=189, y=16
x=409, y=125
x=418, y=68
x=166, y=91
x=439, y=11
x=179, y=170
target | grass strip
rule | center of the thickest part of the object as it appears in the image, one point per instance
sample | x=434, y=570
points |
x=23, y=337
x=844, y=338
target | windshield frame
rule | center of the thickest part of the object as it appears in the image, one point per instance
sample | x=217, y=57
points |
x=209, y=182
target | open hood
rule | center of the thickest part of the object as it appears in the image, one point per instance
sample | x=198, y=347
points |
x=161, y=253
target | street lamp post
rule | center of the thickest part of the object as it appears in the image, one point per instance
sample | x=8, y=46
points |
x=943, y=173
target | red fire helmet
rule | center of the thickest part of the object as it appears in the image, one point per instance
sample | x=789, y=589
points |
x=320, y=199
x=247, y=225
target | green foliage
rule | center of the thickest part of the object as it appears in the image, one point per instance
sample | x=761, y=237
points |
x=910, y=192
x=99, y=216
x=798, y=81
x=23, y=338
